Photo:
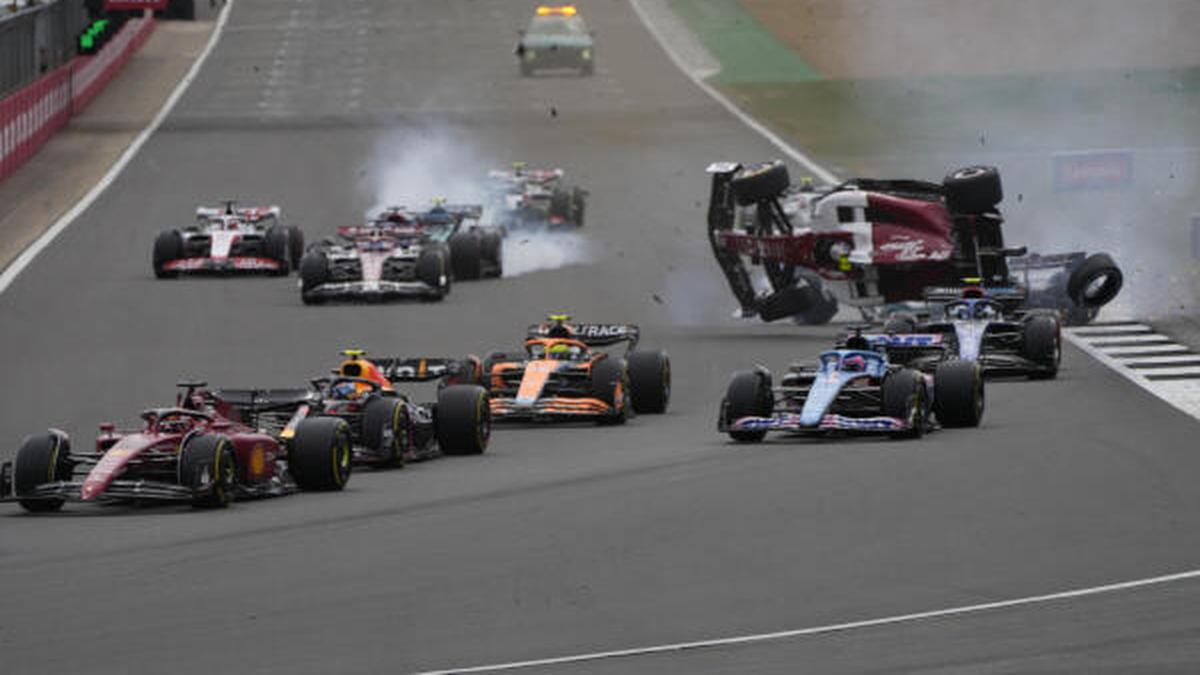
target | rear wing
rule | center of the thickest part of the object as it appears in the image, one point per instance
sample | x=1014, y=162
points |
x=593, y=334
x=423, y=369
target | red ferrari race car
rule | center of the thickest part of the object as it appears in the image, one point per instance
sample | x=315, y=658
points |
x=386, y=427
x=195, y=452
x=560, y=376
x=883, y=242
x=229, y=240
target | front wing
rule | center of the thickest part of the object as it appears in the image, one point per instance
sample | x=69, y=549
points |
x=549, y=408
x=229, y=265
x=790, y=422
x=374, y=291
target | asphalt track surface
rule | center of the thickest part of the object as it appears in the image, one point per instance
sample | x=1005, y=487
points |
x=562, y=540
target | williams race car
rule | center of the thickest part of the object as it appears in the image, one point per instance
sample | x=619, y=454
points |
x=560, y=376
x=882, y=242
x=382, y=260
x=475, y=251
x=976, y=327
x=556, y=38
x=385, y=427
x=524, y=198
x=229, y=239
x=853, y=389
x=195, y=452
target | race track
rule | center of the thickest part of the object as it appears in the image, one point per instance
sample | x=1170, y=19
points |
x=562, y=540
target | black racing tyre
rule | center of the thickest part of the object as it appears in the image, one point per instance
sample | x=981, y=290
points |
x=823, y=305
x=464, y=419
x=904, y=397
x=168, y=246
x=385, y=429
x=900, y=323
x=314, y=271
x=1095, y=282
x=749, y=395
x=973, y=190
x=433, y=270
x=1041, y=342
x=610, y=383
x=277, y=248
x=295, y=245
x=793, y=301
x=579, y=205
x=180, y=10
x=466, y=255
x=1079, y=316
x=320, y=454
x=42, y=458
x=207, y=466
x=958, y=393
x=560, y=205
x=492, y=245
x=649, y=381
x=758, y=182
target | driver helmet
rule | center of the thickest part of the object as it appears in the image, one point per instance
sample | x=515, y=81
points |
x=345, y=390
x=559, y=351
x=986, y=311
x=960, y=312
x=854, y=363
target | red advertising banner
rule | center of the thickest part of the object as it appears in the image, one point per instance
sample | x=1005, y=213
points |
x=156, y=5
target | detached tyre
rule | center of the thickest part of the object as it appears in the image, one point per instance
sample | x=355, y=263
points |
x=973, y=190
x=464, y=419
x=749, y=395
x=1041, y=343
x=904, y=398
x=314, y=272
x=207, y=466
x=1095, y=282
x=958, y=393
x=610, y=383
x=649, y=381
x=168, y=246
x=320, y=454
x=385, y=429
x=42, y=458
x=760, y=181
x=466, y=255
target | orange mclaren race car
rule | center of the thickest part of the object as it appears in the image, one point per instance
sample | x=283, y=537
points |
x=560, y=376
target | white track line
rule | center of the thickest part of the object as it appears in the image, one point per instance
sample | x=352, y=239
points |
x=1115, y=358
x=64, y=221
x=818, y=170
x=821, y=630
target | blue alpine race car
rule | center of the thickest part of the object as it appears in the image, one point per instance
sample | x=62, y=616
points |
x=853, y=389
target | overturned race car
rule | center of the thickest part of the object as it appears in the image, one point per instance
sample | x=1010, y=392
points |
x=882, y=242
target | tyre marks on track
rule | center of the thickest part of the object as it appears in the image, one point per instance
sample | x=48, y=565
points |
x=1153, y=361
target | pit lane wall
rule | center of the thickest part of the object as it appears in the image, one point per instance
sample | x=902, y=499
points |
x=32, y=114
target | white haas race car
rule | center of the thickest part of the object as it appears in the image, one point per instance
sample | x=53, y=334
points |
x=229, y=240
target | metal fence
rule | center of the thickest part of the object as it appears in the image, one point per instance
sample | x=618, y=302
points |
x=36, y=38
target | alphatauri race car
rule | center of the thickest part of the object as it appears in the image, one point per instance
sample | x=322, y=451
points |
x=556, y=39
x=974, y=326
x=196, y=451
x=534, y=199
x=385, y=426
x=475, y=251
x=379, y=261
x=227, y=240
x=882, y=242
x=559, y=376
x=853, y=389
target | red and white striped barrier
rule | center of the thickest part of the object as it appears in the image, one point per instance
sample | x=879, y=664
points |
x=30, y=116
